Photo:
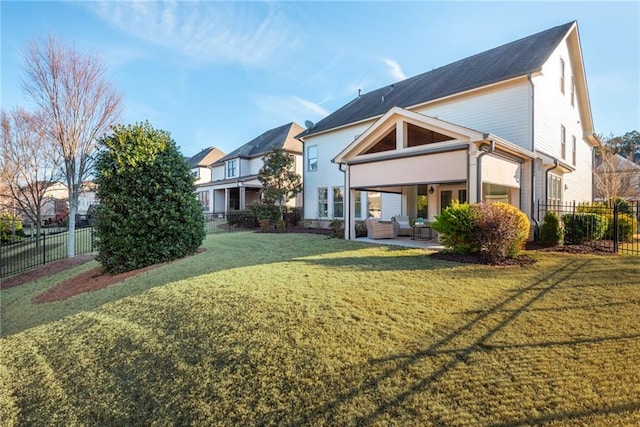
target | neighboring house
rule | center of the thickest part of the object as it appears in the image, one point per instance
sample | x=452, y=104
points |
x=56, y=205
x=510, y=124
x=200, y=164
x=617, y=177
x=234, y=178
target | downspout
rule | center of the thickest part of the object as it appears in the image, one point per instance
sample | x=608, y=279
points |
x=533, y=148
x=492, y=148
x=546, y=179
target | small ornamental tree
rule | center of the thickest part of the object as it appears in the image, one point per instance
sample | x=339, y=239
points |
x=148, y=212
x=279, y=181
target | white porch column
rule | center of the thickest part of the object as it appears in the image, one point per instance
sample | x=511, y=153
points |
x=349, y=223
x=472, y=178
x=226, y=201
x=401, y=134
x=242, y=191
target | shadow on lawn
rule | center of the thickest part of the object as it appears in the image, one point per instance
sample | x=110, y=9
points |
x=485, y=325
x=224, y=251
x=383, y=263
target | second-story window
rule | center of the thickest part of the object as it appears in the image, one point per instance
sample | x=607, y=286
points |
x=563, y=142
x=573, y=150
x=231, y=168
x=573, y=91
x=561, y=75
x=312, y=158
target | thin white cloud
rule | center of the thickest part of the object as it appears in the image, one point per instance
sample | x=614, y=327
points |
x=395, y=69
x=219, y=32
x=289, y=108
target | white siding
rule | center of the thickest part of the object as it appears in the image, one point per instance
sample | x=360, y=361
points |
x=553, y=109
x=504, y=111
x=327, y=175
x=217, y=172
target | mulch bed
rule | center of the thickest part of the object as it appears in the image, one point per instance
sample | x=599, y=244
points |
x=90, y=280
x=522, y=260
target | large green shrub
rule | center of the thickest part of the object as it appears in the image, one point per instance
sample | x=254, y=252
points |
x=551, y=233
x=457, y=228
x=584, y=227
x=496, y=230
x=501, y=229
x=148, y=212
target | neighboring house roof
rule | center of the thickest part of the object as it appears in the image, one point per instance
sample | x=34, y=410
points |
x=619, y=164
x=205, y=157
x=509, y=61
x=281, y=137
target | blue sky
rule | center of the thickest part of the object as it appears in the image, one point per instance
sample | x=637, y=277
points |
x=221, y=73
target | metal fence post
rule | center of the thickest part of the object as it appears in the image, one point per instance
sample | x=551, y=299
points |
x=44, y=249
x=615, y=228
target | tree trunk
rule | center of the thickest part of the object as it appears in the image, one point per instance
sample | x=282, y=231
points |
x=71, y=236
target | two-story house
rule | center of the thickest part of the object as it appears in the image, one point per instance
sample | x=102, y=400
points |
x=201, y=172
x=234, y=180
x=510, y=124
x=201, y=162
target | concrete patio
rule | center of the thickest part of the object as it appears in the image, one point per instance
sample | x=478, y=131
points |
x=404, y=241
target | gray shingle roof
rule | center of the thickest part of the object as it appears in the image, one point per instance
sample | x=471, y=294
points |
x=196, y=159
x=511, y=60
x=275, y=137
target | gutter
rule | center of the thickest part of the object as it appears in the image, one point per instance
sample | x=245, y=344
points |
x=492, y=148
x=546, y=179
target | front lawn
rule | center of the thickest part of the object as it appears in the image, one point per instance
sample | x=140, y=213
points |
x=304, y=330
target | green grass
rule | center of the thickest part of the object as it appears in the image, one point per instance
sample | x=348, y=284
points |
x=303, y=330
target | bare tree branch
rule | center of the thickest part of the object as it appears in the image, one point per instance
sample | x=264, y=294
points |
x=30, y=163
x=78, y=106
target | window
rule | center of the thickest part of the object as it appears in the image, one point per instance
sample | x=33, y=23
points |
x=323, y=204
x=563, y=142
x=203, y=198
x=554, y=190
x=231, y=168
x=195, y=173
x=573, y=150
x=312, y=158
x=495, y=193
x=573, y=91
x=358, y=204
x=374, y=205
x=561, y=75
x=338, y=202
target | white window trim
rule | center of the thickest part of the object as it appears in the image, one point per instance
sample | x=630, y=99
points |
x=308, y=159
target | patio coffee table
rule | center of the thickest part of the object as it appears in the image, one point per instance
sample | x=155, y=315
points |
x=418, y=232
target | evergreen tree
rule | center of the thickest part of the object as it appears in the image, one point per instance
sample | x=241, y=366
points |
x=148, y=212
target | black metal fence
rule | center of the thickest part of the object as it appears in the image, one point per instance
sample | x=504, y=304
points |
x=33, y=250
x=51, y=245
x=607, y=226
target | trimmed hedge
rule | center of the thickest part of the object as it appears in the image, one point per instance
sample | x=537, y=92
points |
x=584, y=227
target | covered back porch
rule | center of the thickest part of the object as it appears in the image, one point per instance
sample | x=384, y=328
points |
x=414, y=165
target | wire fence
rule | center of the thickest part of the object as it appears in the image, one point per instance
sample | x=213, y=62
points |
x=606, y=226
